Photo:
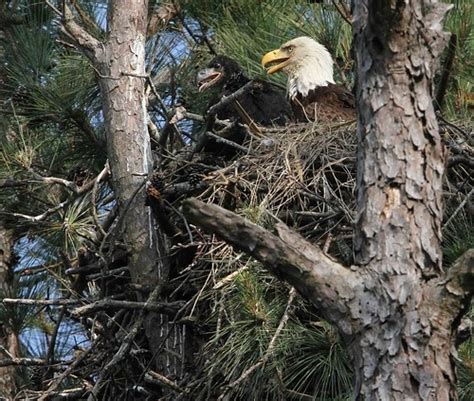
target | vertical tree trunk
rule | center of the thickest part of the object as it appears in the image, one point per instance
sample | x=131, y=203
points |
x=403, y=351
x=120, y=62
x=128, y=145
x=8, y=339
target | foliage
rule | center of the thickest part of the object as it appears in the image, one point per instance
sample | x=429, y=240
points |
x=52, y=126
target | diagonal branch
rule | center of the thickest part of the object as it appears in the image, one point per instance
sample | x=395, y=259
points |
x=324, y=282
x=92, y=47
x=460, y=276
x=226, y=100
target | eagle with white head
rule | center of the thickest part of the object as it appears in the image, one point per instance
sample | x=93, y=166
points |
x=311, y=88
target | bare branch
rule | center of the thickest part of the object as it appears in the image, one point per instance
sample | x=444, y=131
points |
x=124, y=347
x=460, y=276
x=269, y=351
x=57, y=380
x=287, y=255
x=92, y=47
x=343, y=11
x=39, y=302
x=161, y=16
x=104, y=304
x=226, y=100
x=458, y=209
x=42, y=216
x=156, y=378
x=229, y=142
x=95, y=189
x=22, y=362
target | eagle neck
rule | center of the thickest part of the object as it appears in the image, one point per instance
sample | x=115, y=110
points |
x=312, y=73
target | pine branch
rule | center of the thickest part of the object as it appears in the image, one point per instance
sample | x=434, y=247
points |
x=269, y=351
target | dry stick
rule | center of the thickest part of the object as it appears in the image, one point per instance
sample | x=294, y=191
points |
x=156, y=378
x=107, y=273
x=269, y=351
x=42, y=216
x=42, y=302
x=103, y=173
x=160, y=307
x=228, y=99
x=58, y=380
x=55, y=180
x=52, y=342
x=458, y=209
x=22, y=362
x=124, y=347
x=343, y=11
x=229, y=142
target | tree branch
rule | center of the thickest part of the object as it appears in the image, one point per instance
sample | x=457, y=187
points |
x=228, y=99
x=92, y=47
x=22, y=362
x=460, y=277
x=39, y=302
x=289, y=256
x=156, y=378
x=160, y=307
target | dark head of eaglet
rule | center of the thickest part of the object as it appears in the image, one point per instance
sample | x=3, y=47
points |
x=265, y=104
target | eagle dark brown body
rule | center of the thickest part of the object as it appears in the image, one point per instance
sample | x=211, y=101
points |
x=324, y=104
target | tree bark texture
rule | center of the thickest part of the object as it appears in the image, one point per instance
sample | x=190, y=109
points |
x=402, y=352
x=120, y=63
x=8, y=339
x=396, y=308
x=128, y=144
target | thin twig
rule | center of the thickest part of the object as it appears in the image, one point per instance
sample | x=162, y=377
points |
x=229, y=142
x=229, y=99
x=458, y=209
x=269, y=351
x=40, y=302
x=104, y=304
x=156, y=378
x=124, y=347
x=105, y=171
x=58, y=380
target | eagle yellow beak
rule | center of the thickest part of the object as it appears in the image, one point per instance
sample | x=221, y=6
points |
x=275, y=56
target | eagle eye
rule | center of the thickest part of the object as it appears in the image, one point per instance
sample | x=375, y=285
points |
x=289, y=49
x=217, y=65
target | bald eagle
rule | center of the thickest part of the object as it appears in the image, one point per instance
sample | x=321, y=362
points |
x=263, y=104
x=311, y=88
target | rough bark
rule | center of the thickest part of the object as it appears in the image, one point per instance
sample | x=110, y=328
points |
x=120, y=63
x=8, y=338
x=128, y=143
x=396, y=309
x=402, y=353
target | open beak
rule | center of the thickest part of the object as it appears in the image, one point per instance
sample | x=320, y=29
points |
x=275, y=56
x=206, y=78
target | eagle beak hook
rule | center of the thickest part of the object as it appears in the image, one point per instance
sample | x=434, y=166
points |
x=275, y=56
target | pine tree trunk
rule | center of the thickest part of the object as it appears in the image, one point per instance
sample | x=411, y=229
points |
x=8, y=339
x=128, y=143
x=404, y=346
x=120, y=62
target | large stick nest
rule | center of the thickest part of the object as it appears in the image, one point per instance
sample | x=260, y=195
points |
x=304, y=175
